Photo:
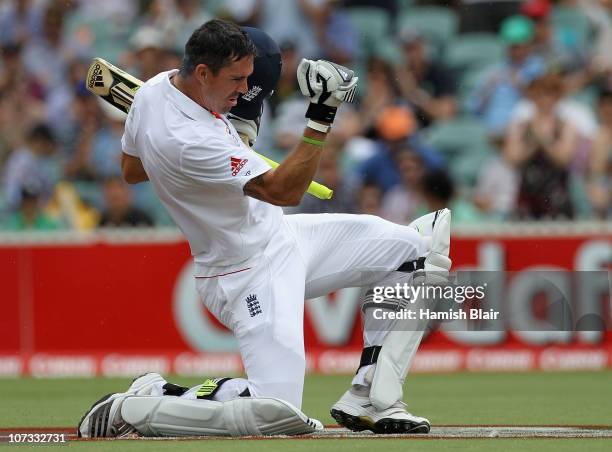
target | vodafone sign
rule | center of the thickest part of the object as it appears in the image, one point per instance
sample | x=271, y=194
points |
x=115, y=303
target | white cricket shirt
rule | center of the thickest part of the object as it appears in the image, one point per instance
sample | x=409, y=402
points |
x=198, y=167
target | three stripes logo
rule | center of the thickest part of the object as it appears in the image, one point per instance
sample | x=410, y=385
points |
x=96, y=80
x=237, y=164
x=111, y=85
x=253, y=305
x=123, y=95
x=350, y=95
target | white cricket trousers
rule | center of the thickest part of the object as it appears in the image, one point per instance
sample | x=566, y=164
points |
x=262, y=300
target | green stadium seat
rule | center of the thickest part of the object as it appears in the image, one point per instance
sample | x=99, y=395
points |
x=388, y=50
x=588, y=97
x=146, y=199
x=405, y=4
x=373, y=25
x=458, y=137
x=467, y=82
x=4, y=210
x=465, y=168
x=213, y=7
x=436, y=23
x=360, y=68
x=109, y=37
x=583, y=208
x=90, y=193
x=473, y=50
x=571, y=26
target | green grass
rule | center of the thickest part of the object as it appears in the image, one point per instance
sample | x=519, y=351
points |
x=577, y=398
x=335, y=445
x=505, y=398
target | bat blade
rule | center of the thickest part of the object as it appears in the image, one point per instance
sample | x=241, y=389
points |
x=112, y=84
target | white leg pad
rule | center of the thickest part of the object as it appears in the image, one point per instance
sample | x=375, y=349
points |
x=399, y=347
x=393, y=362
x=177, y=416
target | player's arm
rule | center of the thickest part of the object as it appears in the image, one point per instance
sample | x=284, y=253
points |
x=327, y=85
x=132, y=170
x=286, y=184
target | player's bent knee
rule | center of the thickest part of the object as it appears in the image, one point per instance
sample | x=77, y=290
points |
x=409, y=234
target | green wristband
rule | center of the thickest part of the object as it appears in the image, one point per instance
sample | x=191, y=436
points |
x=313, y=141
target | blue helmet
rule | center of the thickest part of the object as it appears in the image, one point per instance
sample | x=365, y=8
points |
x=262, y=82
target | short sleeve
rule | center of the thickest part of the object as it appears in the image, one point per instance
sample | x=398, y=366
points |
x=222, y=162
x=128, y=141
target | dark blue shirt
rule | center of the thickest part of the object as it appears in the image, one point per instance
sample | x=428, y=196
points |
x=381, y=169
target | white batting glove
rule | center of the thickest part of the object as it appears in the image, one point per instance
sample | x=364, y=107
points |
x=327, y=85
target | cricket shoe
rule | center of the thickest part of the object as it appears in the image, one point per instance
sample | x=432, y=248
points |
x=316, y=424
x=435, y=228
x=103, y=420
x=357, y=414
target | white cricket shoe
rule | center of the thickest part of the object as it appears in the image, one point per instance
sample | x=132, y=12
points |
x=357, y=413
x=316, y=424
x=103, y=420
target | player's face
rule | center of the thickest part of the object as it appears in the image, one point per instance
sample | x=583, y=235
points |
x=224, y=88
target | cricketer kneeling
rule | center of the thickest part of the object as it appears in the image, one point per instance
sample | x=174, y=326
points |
x=255, y=265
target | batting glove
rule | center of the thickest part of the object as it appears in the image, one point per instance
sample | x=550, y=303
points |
x=327, y=85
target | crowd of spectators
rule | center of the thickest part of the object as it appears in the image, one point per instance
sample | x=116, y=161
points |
x=501, y=110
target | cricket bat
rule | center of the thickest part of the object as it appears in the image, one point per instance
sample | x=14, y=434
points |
x=118, y=88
